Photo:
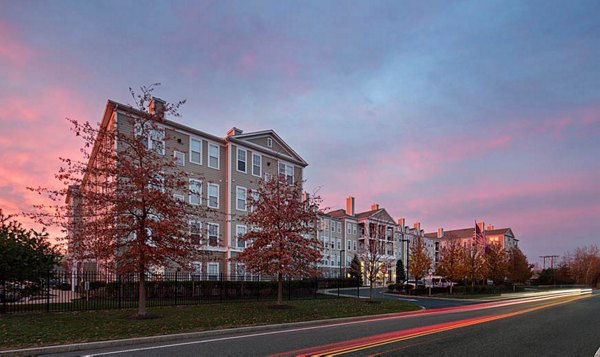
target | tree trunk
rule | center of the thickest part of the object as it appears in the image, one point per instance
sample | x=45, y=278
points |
x=371, y=281
x=142, y=295
x=279, y=288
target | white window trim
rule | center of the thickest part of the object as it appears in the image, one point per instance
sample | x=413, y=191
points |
x=179, y=196
x=237, y=234
x=237, y=159
x=190, y=195
x=218, y=155
x=208, y=266
x=270, y=142
x=201, y=143
x=245, y=208
x=208, y=233
x=175, y=152
x=208, y=194
x=285, y=166
x=259, y=164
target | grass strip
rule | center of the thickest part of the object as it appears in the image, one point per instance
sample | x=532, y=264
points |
x=41, y=329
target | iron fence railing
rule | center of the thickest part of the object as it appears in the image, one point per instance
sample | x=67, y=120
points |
x=66, y=291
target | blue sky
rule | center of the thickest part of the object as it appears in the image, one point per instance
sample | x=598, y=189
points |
x=442, y=112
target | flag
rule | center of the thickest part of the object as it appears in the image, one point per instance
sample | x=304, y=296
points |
x=479, y=235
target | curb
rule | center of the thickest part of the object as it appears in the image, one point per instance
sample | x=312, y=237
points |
x=34, y=351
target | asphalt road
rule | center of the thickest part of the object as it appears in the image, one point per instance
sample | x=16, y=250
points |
x=426, y=302
x=552, y=327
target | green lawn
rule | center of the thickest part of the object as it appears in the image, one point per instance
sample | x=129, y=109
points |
x=36, y=329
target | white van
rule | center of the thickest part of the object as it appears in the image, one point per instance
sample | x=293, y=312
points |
x=437, y=281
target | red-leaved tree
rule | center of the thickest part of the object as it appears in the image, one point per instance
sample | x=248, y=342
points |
x=282, y=240
x=124, y=206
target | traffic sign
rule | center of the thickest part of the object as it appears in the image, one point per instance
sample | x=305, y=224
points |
x=384, y=269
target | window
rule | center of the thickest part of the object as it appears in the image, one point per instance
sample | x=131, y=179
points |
x=157, y=182
x=213, y=195
x=195, y=231
x=213, y=271
x=354, y=229
x=333, y=226
x=270, y=142
x=154, y=139
x=256, y=164
x=339, y=241
x=240, y=231
x=213, y=234
x=241, y=194
x=179, y=158
x=241, y=271
x=196, y=269
x=354, y=245
x=195, y=192
x=241, y=160
x=349, y=245
x=348, y=228
x=339, y=227
x=255, y=198
x=196, y=151
x=179, y=197
x=268, y=177
x=287, y=172
x=213, y=156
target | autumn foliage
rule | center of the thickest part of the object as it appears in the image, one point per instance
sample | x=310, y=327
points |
x=419, y=261
x=120, y=206
x=282, y=241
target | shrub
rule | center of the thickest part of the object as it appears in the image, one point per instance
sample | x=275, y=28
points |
x=392, y=287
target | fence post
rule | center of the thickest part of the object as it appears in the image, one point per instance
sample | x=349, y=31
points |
x=221, y=290
x=48, y=291
x=119, y=290
x=4, y=297
x=175, y=292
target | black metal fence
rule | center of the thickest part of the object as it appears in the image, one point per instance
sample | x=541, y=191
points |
x=65, y=291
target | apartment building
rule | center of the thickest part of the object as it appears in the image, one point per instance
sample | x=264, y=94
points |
x=222, y=171
x=466, y=237
x=355, y=229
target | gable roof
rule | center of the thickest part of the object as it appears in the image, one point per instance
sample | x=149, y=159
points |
x=380, y=213
x=467, y=233
x=290, y=154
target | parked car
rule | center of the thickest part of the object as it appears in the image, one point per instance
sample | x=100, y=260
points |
x=411, y=284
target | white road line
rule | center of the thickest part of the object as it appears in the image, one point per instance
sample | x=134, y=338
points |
x=597, y=353
x=473, y=308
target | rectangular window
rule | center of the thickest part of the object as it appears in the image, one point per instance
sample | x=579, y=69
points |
x=239, y=232
x=196, y=269
x=354, y=229
x=213, y=271
x=195, y=192
x=256, y=164
x=179, y=197
x=195, y=231
x=213, y=156
x=179, y=158
x=196, y=151
x=348, y=228
x=270, y=142
x=213, y=234
x=255, y=198
x=354, y=245
x=339, y=227
x=286, y=172
x=241, y=272
x=157, y=141
x=241, y=160
x=339, y=241
x=349, y=247
x=333, y=226
x=213, y=195
x=241, y=194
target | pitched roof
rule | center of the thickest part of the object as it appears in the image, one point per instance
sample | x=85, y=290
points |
x=338, y=213
x=465, y=233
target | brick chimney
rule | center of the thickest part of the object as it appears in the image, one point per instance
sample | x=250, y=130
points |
x=489, y=227
x=417, y=226
x=157, y=107
x=440, y=233
x=374, y=206
x=234, y=131
x=401, y=222
x=350, y=206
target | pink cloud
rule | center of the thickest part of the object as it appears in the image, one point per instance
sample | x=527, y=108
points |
x=12, y=52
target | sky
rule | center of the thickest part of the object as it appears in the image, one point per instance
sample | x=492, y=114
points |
x=442, y=112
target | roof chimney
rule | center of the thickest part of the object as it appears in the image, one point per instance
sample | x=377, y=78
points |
x=350, y=206
x=489, y=227
x=481, y=225
x=374, y=206
x=401, y=222
x=417, y=226
x=157, y=107
x=234, y=131
x=440, y=233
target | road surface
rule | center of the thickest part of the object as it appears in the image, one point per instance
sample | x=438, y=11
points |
x=549, y=326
